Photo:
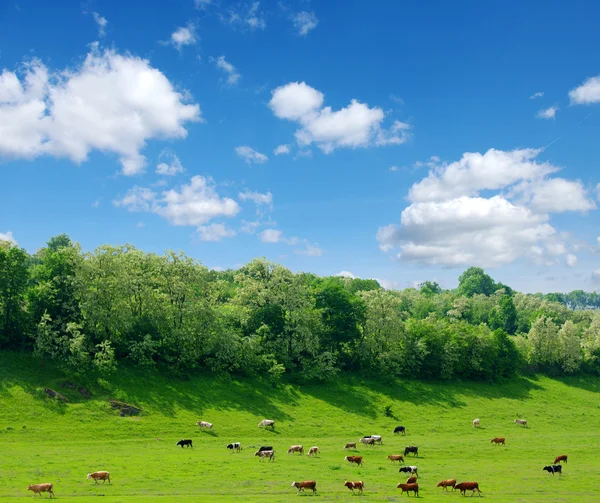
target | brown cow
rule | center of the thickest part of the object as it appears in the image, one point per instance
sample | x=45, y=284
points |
x=306, y=484
x=411, y=480
x=447, y=483
x=265, y=454
x=498, y=441
x=354, y=459
x=367, y=440
x=313, y=451
x=296, y=448
x=407, y=488
x=99, y=476
x=558, y=459
x=350, y=445
x=396, y=457
x=41, y=488
x=468, y=486
x=360, y=485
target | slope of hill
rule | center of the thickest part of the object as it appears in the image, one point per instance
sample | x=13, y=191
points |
x=44, y=440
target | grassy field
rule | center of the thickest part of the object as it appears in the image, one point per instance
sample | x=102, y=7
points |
x=42, y=440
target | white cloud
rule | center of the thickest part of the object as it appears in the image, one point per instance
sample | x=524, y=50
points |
x=170, y=165
x=397, y=99
x=596, y=276
x=215, y=232
x=282, y=149
x=354, y=126
x=586, y=93
x=536, y=95
x=304, y=22
x=387, y=284
x=201, y=4
x=182, y=36
x=232, y=74
x=310, y=251
x=249, y=227
x=271, y=236
x=394, y=169
x=547, y=113
x=571, y=260
x=346, y=274
x=556, y=195
x=250, y=155
x=195, y=205
x=101, y=22
x=8, y=236
x=111, y=103
x=256, y=197
x=247, y=16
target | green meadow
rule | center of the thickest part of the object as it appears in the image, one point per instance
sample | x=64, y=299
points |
x=44, y=440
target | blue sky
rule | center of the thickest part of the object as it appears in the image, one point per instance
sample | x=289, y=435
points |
x=402, y=141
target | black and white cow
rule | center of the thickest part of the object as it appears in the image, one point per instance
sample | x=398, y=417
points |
x=236, y=446
x=411, y=448
x=266, y=448
x=400, y=429
x=183, y=443
x=409, y=469
x=553, y=469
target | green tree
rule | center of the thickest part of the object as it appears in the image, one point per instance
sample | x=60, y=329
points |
x=504, y=316
x=14, y=278
x=473, y=281
x=429, y=288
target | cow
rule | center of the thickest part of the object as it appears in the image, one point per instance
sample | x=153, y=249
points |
x=306, y=484
x=522, y=422
x=350, y=445
x=99, y=476
x=367, y=441
x=378, y=439
x=265, y=454
x=447, y=483
x=265, y=423
x=296, y=448
x=409, y=469
x=411, y=448
x=553, y=469
x=266, y=448
x=407, y=488
x=313, y=451
x=476, y=423
x=41, y=488
x=360, y=485
x=354, y=459
x=411, y=480
x=399, y=429
x=236, y=446
x=558, y=459
x=204, y=424
x=396, y=457
x=498, y=441
x=183, y=443
x=468, y=486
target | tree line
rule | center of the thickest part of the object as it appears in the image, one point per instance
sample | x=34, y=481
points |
x=119, y=305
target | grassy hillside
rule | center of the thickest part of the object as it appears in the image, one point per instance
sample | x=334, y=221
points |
x=42, y=440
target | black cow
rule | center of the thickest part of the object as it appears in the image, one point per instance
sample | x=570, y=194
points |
x=553, y=469
x=235, y=445
x=265, y=448
x=400, y=429
x=413, y=449
x=183, y=443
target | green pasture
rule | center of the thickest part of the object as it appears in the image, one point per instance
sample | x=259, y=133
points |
x=43, y=440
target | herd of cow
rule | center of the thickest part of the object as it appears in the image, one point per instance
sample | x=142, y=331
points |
x=268, y=452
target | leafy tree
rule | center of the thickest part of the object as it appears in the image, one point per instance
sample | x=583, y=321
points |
x=14, y=278
x=571, y=356
x=505, y=315
x=474, y=281
x=429, y=288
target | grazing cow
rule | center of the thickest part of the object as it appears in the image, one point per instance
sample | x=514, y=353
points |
x=99, y=476
x=41, y=488
x=265, y=423
x=553, y=469
x=407, y=488
x=296, y=448
x=306, y=484
x=354, y=459
x=367, y=441
x=558, y=459
x=313, y=451
x=265, y=454
x=468, y=486
x=350, y=445
x=498, y=441
x=447, y=483
x=378, y=439
x=204, y=424
x=411, y=480
x=266, y=448
x=236, y=446
x=396, y=457
x=411, y=448
x=476, y=423
x=409, y=469
x=360, y=485
x=522, y=422
x=400, y=429
x=183, y=443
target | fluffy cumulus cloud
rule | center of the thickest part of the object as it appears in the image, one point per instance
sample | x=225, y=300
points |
x=282, y=149
x=195, y=204
x=256, y=197
x=548, y=113
x=587, y=93
x=250, y=155
x=304, y=22
x=449, y=222
x=111, y=102
x=182, y=36
x=214, y=232
x=8, y=236
x=170, y=164
x=356, y=125
x=228, y=69
x=346, y=274
x=101, y=22
x=271, y=236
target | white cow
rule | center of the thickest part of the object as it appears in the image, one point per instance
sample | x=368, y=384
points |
x=204, y=424
x=377, y=439
x=313, y=451
x=267, y=422
x=522, y=422
x=476, y=423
